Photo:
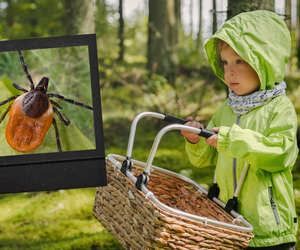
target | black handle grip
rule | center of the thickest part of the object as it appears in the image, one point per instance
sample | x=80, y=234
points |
x=173, y=119
x=206, y=133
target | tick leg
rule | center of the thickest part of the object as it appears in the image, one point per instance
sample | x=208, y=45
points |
x=56, y=104
x=9, y=99
x=26, y=70
x=5, y=113
x=70, y=101
x=57, y=135
x=20, y=88
x=62, y=117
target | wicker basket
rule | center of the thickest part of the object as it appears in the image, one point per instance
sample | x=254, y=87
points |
x=138, y=221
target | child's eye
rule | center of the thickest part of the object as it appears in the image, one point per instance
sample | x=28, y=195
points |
x=224, y=62
x=239, y=61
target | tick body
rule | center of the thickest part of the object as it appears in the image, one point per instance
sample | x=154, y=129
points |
x=25, y=133
x=31, y=115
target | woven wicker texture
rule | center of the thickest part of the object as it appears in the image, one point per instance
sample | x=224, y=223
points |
x=138, y=223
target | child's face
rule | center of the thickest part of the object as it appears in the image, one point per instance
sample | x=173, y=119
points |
x=239, y=75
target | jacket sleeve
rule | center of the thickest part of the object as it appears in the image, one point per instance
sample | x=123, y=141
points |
x=200, y=154
x=275, y=151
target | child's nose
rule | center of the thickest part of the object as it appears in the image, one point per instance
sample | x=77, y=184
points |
x=230, y=71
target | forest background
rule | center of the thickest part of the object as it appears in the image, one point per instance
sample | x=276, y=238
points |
x=150, y=59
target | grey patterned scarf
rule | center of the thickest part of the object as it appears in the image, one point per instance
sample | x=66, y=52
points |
x=242, y=104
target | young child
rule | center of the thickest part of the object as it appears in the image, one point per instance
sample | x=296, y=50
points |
x=256, y=125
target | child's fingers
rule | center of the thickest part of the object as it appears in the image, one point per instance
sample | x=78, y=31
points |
x=215, y=129
x=213, y=140
x=192, y=136
x=195, y=124
x=190, y=118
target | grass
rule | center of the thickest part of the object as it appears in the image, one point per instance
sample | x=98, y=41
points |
x=52, y=220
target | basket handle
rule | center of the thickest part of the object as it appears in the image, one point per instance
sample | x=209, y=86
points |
x=127, y=163
x=143, y=179
x=173, y=119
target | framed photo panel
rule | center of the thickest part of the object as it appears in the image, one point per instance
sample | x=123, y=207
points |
x=51, y=133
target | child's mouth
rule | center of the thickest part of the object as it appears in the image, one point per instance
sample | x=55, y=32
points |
x=233, y=84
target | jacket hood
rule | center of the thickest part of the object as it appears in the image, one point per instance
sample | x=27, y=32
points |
x=261, y=38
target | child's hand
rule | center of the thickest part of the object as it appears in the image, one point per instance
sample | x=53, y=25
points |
x=213, y=140
x=191, y=136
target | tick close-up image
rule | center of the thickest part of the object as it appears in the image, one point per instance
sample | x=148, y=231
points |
x=45, y=101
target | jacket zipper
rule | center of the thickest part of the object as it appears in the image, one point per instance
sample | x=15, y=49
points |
x=273, y=205
x=234, y=161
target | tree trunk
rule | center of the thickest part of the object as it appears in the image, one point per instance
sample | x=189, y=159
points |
x=162, y=56
x=199, y=35
x=268, y=5
x=9, y=13
x=178, y=19
x=215, y=24
x=80, y=17
x=288, y=16
x=237, y=6
x=191, y=16
x=298, y=33
x=121, y=31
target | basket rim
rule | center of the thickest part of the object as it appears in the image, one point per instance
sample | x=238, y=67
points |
x=114, y=159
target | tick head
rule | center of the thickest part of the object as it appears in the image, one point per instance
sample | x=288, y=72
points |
x=43, y=85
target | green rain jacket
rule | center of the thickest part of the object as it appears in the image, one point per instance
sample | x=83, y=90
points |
x=264, y=137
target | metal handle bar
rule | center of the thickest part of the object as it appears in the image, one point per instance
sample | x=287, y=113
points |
x=165, y=117
x=191, y=129
x=133, y=128
x=127, y=164
x=159, y=136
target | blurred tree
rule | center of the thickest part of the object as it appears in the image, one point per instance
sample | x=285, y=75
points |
x=297, y=31
x=214, y=11
x=102, y=26
x=288, y=14
x=121, y=31
x=33, y=20
x=268, y=5
x=237, y=6
x=199, y=35
x=288, y=21
x=79, y=18
x=178, y=20
x=191, y=17
x=162, y=40
x=9, y=13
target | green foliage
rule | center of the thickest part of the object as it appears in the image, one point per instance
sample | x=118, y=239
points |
x=191, y=55
x=27, y=19
x=127, y=90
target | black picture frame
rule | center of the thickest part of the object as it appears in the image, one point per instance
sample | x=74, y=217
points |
x=58, y=170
